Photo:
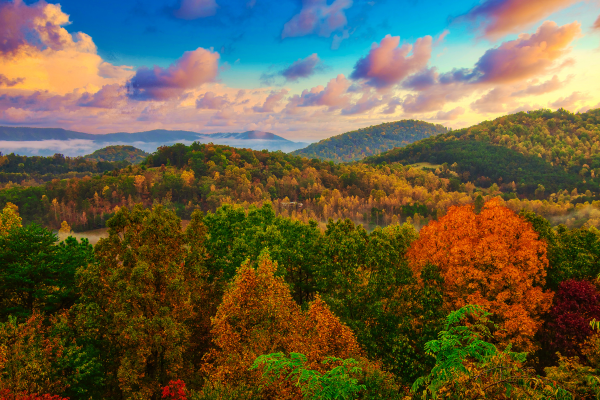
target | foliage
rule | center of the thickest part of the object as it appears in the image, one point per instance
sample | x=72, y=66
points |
x=493, y=259
x=37, y=273
x=141, y=299
x=576, y=303
x=467, y=366
x=9, y=218
x=118, y=153
x=522, y=147
x=337, y=383
x=356, y=145
x=38, y=166
x=580, y=380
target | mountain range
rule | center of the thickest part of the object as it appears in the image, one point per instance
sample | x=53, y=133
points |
x=47, y=141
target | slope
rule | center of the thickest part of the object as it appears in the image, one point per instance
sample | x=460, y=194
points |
x=356, y=145
x=558, y=150
x=118, y=153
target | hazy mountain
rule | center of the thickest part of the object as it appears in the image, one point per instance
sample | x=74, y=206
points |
x=47, y=141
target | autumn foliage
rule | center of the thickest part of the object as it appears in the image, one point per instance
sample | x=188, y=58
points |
x=493, y=259
x=258, y=316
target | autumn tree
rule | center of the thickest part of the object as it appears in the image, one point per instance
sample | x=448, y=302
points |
x=9, y=218
x=258, y=316
x=142, y=299
x=494, y=259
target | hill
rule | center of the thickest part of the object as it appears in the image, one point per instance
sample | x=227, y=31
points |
x=356, y=145
x=118, y=153
x=557, y=150
x=47, y=141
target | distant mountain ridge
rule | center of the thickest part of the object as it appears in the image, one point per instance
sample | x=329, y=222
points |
x=370, y=141
x=47, y=141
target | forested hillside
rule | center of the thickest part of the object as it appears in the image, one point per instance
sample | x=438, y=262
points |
x=118, y=153
x=557, y=150
x=356, y=145
x=18, y=170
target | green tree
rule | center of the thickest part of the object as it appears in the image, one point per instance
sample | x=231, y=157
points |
x=143, y=299
x=37, y=272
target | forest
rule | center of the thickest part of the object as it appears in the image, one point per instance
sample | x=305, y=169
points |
x=118, y=153
x=356, y=145
x=228, y=273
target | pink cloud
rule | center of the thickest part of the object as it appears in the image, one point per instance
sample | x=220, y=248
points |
x=4, y=81
x=544, y=87
x=387, y=64
x=193, y=9
x=272, y=101
x=110, y=96
x=570, y=101
x=494, y=101
x=597, y=24
x=302, y=68
x=496, y=18
x=527, y=56
x=192, y=70
x=453, y=114
x=36, y=26
x=365, y=103
x=316, y=17
x=334, y=95
x=210, y=101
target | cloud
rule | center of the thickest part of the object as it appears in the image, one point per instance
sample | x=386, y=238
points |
x=597, y=24
x=210, y=101
x=302, y=68
x=316, y=17
x=494, y=101
x=110, y=96
x=192, y=70
x=392, y=105
x=544, y=87
x=522, y=58
x=334, y=95
x=453, y=114
x=365, y=103
x=193, y=9
x=4, y=81
x=271, y=102
x=387, y=64
x=496, y=18
x=569, y=101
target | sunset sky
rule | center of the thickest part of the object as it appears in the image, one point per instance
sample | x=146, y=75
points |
x=304, y=70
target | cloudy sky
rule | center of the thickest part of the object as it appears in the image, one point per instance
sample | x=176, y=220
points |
x=303, y=69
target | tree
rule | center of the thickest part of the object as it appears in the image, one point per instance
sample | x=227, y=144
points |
x=494, y=259
x=258, y=316
x=37, y=272
x=576, y=303
x=9, y=218
x=142, y=298
x=469, y=366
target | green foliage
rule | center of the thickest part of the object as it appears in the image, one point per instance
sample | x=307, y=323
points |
x=467, y=365
x=37, y=273
x=557, y=150
x=118, y=153
x=356, y=145
x=340, y=382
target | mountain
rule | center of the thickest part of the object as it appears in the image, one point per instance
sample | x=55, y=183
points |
x=356, y=145
x=558, y=150
x=47, y=141
x=118, y=153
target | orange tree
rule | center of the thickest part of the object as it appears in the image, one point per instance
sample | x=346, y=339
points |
x=141, y=301
x=258, y=316
x=494, y=259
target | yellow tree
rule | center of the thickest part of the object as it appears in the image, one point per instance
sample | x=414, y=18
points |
x=493, y=259
x=9, y=218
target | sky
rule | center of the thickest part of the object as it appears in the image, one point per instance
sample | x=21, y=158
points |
x=302, y=69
